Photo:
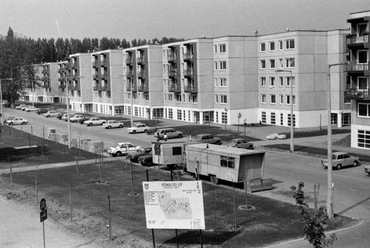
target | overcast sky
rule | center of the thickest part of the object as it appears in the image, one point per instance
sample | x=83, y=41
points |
x=147, y=19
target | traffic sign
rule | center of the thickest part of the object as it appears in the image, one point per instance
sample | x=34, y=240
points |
x=43, y=215
x=42, y=204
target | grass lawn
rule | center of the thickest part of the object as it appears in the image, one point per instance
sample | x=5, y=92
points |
x=268, y=222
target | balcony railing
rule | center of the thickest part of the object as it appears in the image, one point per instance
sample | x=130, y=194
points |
x=174, y=87
x=141, y=74
x=363, y=39
x=190, y=88
x=188, y=56
x=142, y=88
x=188, y=72
x=129, y=61
x=171, y=57
x=356, y=67
x=172, y=73
x=140, y=60
x=357, y=94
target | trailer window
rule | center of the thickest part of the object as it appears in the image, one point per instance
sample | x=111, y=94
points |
x=227, y=162
x=157, y=149
x=176, y=150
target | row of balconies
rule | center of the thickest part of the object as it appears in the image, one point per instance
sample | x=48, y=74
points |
x=102, y=63
x=357, y=68
x=98, y=86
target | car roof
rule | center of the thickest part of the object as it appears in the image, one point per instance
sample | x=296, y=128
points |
x=339, y=153
x=124, y=143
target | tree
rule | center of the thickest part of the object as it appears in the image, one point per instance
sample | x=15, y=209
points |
x=314, y=223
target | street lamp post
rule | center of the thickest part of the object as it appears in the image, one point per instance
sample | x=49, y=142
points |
x=291, y=109
x=1, y=99
x=329, y=200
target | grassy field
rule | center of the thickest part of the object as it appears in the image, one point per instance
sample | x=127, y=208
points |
x=227, y=223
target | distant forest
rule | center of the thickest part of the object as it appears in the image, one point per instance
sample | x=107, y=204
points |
x=45, y=50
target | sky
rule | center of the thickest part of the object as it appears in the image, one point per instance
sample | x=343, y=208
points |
x=148, y=19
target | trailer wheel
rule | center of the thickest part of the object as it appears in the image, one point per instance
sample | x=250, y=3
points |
x=214, y=179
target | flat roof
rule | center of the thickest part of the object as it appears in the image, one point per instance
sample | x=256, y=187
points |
x=225, y=149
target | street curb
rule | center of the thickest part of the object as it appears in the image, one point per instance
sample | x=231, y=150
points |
x=284, y=243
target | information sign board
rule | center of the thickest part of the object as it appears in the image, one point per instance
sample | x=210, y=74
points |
x=174, y=205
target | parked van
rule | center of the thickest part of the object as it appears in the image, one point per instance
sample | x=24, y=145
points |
x=170, y=132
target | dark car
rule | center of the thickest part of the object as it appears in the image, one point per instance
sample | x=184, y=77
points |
x=207, y=138
x=146, y=160
x=42, y=111
x=141, y=152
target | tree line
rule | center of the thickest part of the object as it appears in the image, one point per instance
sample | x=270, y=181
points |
x=19, y=53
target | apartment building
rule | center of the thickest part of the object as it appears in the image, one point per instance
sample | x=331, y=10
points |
x=75, y=82
x=46, y=87
x=142, y=81
x=293, y=69
x=358, y=72
x=107, y=88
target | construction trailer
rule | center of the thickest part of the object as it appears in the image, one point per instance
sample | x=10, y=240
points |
x=228, y=163
x=170, y=153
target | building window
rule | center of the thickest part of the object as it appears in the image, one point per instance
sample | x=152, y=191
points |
x=215, y=82
x=222, y=48
x=290, y=81
x=222, y=65
x=263, y=115
x=281, y=63
x=194, y=98
x=364, y=110
x=214, y=48
x=362, y=57
x=289, y=120
x=272, y=45
x=289, y=44
x=178, y=98
x=362, y=83
x=272, y=63
x=215, y=65
x=170, y=114
x=262, y=47
x=281, y=99
x=223, y=82
x=223, y=98
x=363, y=138
x=263, y=64
x=263, y=81
x=170, y=97
x=179, y=114
x=281, y=79
x=281, y=119
x=273, y=118
x=216, y=98
x=290, y=63
x=272, y=99
x=280, y=45
x=263, y=98
x=272, y=81
x=224, y=117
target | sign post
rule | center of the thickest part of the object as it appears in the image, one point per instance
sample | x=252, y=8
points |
x=43, y=216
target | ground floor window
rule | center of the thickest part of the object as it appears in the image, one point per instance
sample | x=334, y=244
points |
x=170, y=114
x=179, y=114
x=289, y=120
x=118, y=109
x=263, y=117
x=334, y=118
x=158, y=113
x=273, y=118
x=224, y=117
x=363, y=138
x=346, y=119
x=281, y=119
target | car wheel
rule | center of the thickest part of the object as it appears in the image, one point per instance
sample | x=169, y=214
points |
x=218, y=142
x=355, y=163
x=214, y=179
x=47, y=116
x=109, y=127
x=338, y=167
x=120, y=126
x=118, y=153
x=11, y=123
x=90, y=124
x=24, y=123
x=180, y=135
x=133, y=131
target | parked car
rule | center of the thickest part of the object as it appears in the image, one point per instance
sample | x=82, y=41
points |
x=25, y=107
x=52, y=113
x=65, y=117
x=170, y=132
x=340, y=160
x=113, y=124
x=19, y=107
x=367, y=169
x=141, y=152
x=8, y=119
x=207, y=138
x=61, y=115
x=80, y=118
x=138, y=127
x=241, y=143
x=31, y=108
x=42, y=111
x=122, y=148
x=16, y=121
x=93, y=121
x=146, y=160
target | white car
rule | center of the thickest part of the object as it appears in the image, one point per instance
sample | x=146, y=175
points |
x=52, y=113
x=113, y=124
x=122, y=148
x=31, y=109
x=93, y=121
x=138, y=127
x=16, y=121
x=19, y=107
